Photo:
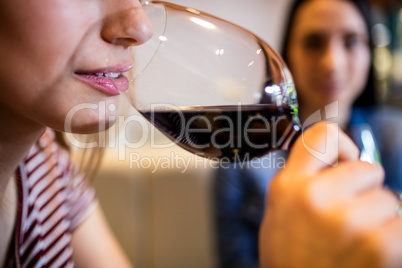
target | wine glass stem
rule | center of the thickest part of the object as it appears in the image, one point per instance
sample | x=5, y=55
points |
x=295, y=132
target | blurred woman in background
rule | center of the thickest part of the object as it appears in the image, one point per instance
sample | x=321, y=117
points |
x=328, y=48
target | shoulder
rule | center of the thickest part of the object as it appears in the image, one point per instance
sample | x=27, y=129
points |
x=387, y=128
x=386, y=123
x=382, y=118
x=387, y=114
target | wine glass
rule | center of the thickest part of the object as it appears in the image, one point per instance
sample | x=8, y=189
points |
x=214, y=88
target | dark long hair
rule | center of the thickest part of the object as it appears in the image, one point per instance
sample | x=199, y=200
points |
x=368, y=96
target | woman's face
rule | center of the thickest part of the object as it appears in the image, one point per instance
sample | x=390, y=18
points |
x=328, y=54
x=51, y=50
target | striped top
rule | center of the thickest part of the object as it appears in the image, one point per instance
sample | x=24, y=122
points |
x=52, y=202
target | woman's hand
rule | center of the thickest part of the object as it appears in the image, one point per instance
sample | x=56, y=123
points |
x=320, y=215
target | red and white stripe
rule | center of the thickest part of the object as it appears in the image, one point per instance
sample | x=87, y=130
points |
x=51, y=204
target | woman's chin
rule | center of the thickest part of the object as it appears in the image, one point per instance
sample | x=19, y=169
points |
x=89, y=127
x=332, y=93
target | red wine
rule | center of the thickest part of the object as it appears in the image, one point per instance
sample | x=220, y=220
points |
x=236, y=133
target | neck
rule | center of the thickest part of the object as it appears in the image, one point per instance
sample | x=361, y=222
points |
x=17, y=136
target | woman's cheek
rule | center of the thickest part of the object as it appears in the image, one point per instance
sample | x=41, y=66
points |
x=361, y=68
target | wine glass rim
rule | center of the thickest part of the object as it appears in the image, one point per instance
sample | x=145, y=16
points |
x=198, y=13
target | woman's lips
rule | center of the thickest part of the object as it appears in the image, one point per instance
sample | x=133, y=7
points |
x=330, y=89
x=109, y=82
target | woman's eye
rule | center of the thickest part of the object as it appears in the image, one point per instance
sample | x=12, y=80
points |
x=352, y=41
x=313, y=43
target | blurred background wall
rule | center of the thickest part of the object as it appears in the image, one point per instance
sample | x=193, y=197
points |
x=163, y=217
x=388, y=53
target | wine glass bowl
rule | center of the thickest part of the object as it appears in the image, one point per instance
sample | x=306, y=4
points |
x=213, y=87
x=216, y=89
x=192, y=52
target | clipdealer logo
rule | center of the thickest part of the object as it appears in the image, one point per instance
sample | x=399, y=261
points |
x=117, y=136
x=183, y=163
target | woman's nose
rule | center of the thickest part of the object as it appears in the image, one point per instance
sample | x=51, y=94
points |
x=333, y=58
x=128, y=27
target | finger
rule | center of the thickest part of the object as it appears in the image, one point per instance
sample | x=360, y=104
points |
x=369, y=210
x=320, y=146
x=346, y=181
x=391, y=243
